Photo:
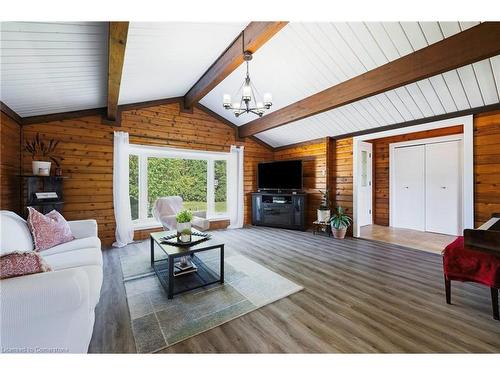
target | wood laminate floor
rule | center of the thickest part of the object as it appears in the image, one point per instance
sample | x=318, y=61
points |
x=359, y=296
x=427, y=241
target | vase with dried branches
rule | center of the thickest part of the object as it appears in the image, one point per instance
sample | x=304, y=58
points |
x=42, y=155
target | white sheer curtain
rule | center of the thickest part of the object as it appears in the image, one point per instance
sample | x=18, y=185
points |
x=235, y=188
x=121, y=200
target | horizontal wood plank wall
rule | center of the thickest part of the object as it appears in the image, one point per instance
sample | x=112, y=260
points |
x=87, y=147
x=10, y=164
x=486, y=166
x=380, y=159
x=342, y=175
x=314, y=171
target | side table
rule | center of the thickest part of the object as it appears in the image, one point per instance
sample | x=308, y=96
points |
x=322, y=227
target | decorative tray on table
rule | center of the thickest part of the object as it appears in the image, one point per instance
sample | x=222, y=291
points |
x=196, y=238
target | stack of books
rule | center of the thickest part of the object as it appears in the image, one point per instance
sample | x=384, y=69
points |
x=184, y=268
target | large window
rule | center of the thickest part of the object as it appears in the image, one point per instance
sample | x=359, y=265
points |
x=200, y=178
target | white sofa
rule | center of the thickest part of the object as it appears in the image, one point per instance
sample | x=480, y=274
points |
x=51, y=311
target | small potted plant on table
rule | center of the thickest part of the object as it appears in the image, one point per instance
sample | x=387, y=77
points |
x=324, y=208
x=340, y=221
x=183, y=219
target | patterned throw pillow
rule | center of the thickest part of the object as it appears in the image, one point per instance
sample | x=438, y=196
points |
x=48, y=230
x=20, y=263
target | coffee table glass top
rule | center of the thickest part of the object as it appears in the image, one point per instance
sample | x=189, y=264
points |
x=172, y=250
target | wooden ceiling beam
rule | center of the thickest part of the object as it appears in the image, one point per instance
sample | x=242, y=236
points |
x=255, y=35
x=117, y=41
x=475, y=44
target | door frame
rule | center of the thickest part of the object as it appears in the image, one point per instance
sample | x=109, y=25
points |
x=467, y=163
x=417, y=142
x=370, y=177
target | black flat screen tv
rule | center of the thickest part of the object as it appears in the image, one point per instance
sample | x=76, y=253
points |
x=280, y=175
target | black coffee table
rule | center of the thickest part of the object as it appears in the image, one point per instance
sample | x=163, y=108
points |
x=164, y=268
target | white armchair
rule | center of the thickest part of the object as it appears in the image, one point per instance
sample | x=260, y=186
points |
x=166, y=208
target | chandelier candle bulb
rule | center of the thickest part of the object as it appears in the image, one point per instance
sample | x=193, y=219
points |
x=226, y=100
x=247, y=92
x=268, y=99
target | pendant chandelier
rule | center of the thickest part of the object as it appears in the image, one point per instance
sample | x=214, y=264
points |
x=250, y=100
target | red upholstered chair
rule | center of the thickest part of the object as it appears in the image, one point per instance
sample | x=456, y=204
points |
x=466, y=263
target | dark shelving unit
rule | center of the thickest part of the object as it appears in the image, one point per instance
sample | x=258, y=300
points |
x=42, y=184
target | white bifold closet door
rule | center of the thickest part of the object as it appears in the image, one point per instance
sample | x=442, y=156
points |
x=443, y=187
x=409, y=187
x=427, y=187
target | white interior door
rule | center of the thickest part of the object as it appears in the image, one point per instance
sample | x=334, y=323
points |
x=409, y=187
x=365, y=183
x=443, y=188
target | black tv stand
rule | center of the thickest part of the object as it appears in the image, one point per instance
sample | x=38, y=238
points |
x=279, y=209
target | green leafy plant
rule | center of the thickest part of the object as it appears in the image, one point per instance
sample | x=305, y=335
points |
x=43, y=151
x=184, y=216
x=339, y=219
x=186, y=231
x=325, y=200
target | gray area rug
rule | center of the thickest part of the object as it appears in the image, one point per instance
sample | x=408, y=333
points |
x=158, y=322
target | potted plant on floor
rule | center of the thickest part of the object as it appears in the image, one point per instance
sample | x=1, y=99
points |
x=340, y=221
x=183, y=219
x=324, y=208
x=42, y=154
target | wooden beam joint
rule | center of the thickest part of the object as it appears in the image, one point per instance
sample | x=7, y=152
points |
x=117, y=41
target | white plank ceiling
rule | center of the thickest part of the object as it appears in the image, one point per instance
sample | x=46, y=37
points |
x=59, y=67
x=165, y=59
x=468, y=87
x=303, y=59
x=53, y=67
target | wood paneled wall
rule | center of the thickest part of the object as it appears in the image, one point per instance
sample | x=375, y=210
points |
x=313, y=156
x=380, y=169
x=486, y=166
x=87, y=147
x=341, y=175
x=10, y=164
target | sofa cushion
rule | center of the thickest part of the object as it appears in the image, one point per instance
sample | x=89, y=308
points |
x=79, y=243
x=89, y=260
x=21, y=263
x=76, y=258
x=15, y=234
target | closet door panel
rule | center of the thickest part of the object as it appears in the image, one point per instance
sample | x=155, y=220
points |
x=443, y=182
x=409, y=187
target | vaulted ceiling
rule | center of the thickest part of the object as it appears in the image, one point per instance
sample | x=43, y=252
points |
x=60, y=67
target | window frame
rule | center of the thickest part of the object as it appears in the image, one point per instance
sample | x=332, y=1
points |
x=145, y=152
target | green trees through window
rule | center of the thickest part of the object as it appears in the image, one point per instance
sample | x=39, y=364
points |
x=186, y=178
x=133, y=180
x=172, y=176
